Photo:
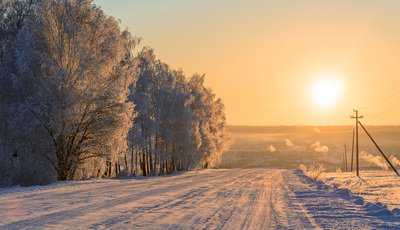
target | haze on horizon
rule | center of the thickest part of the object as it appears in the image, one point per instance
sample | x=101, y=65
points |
x=266, y=59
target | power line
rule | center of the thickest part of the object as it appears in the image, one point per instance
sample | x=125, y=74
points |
x=386, y=110
x=379, y=102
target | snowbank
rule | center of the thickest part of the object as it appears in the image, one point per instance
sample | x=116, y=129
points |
x=377, y=191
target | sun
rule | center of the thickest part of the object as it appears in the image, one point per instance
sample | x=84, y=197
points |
x=326, y=91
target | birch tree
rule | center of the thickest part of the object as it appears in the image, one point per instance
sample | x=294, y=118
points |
x=75, y=62
x=178, y=122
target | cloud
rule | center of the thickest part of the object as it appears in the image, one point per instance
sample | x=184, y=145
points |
x=394, y=160
x=319, y=148
x=322, y=149
x=317, y=130
x=373, y=160
x=271, y=148
x=289, y=143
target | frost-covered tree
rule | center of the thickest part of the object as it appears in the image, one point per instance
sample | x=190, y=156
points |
x=15, y=166
x=178, y=123
x=73, y=69
x=73, y=99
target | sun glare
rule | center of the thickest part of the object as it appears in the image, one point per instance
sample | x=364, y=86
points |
x=325, y=92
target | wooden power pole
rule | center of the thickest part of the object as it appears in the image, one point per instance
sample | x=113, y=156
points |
x=357, y=161
x=345, y=158
x=352, y=152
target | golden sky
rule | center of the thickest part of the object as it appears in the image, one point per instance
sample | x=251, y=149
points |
x=264, y=58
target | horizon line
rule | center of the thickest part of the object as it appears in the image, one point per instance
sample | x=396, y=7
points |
x=303, y=125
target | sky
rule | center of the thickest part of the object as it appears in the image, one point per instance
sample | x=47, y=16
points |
x=286, y=62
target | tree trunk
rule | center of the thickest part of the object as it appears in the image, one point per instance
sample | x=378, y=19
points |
x=116, y=168
x=136, y=162
x=144, y=165
x=155, y=154
x=62, y=173
x=98, y=173
x=166, y=165
x=173, y=165
x=179, y=165
x=132, y=161
x=62, y=167
x=109, y=169
x=150, y=160
x=147, y=161
x=126, y=163
x=188, y=165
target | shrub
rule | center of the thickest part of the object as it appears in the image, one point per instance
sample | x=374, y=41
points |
x=315, y=172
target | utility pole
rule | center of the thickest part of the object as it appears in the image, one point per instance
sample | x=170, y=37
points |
x=345, y=158
x=352, y=152
x=357, y=161
x=342, y=168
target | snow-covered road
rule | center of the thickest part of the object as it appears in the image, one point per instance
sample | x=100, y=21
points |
x=207, y=199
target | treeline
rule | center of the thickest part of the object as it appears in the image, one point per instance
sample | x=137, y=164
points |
x=77, y=101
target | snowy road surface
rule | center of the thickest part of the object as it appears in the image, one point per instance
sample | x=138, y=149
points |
x=208, y=199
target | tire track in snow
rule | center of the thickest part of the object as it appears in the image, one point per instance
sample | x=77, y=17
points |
x=81, y=187
x=286, y=211
x=219, y=199
x=157, y=211
x=258, y=216
x=58, y=216
x=81, y=193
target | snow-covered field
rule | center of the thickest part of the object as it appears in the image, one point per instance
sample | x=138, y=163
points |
x=372, y=186
x=207, y=199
